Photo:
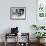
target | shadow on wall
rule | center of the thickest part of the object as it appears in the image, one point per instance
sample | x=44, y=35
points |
x=7, y=30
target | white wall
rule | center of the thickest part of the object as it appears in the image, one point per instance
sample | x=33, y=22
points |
x=24, y=25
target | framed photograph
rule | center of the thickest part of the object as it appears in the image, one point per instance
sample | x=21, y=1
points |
x=17, y=13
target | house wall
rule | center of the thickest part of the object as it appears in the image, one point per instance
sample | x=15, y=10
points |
x=24, y=25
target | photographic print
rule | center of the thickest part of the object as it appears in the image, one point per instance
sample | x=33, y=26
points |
x=17, y=13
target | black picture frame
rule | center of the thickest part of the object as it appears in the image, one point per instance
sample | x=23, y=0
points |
x=17, y=13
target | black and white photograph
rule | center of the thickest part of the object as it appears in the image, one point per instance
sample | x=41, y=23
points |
x=17, y=13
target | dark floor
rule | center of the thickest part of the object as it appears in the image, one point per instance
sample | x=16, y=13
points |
x=13, y=44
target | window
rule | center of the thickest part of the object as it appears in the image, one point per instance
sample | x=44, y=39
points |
x=41, y=8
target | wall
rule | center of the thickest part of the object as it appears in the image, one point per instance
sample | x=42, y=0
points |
x=24, y=25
